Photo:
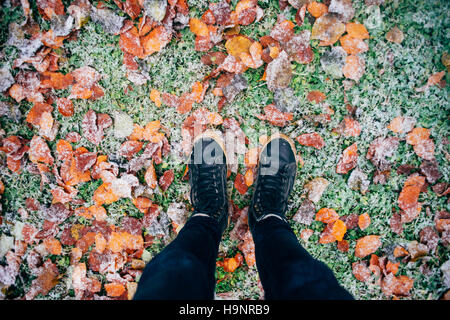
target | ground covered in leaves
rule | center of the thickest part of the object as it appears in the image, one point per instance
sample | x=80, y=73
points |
x=101, y=101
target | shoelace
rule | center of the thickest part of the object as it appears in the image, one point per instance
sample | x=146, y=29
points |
x=270, y=191
x=207, y=188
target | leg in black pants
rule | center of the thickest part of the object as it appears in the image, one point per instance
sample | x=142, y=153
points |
x=286, y=270
x=185, y=268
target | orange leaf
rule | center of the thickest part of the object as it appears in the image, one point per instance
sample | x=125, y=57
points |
x=156, y=40
x=150, y=176
x=338, y=230
x=100, y=243
x=363, y=221
x=65, y=107
x=53, y=246
x=400, y=252
x=239, y=184
x=327, y=215
x=367, y=245
x=357, y=30
x=392, y=267
x=311, y=140
x=142, y=203
x=248, y=177
x=401, y=124
x=316, y=96
x=353, y=68
x=417, y=135
x=155, y=96
x=114, y=289
x=316, y=9
x=353, y=45
x=198, y=27
x=137, y=134
x=129, y=42
x=104, y=195
x=238, y=45
x=98, y=212
x=151, y=129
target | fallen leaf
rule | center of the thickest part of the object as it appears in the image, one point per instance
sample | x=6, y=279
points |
x=328, y=29
x=367, y=245
x=364, y=221
x=311, y=140
x=395, y=35
x=326, y=215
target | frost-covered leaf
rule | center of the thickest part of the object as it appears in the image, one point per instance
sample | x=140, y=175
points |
x=380, y=149
x=367, y=245
x=279, y=72
x=6, y=79
x=316, y=188
x=431, y=170
x=343, y=8
x=358, y=181
x=238, y=83
x=177, y=213
x=155, y=9
x=285, y=100
x=395, y=35
x=111, y=22
x=61, y=25
x=354, y=67
x=348, y=160
x=328, y=28
x=123, y=125
x=305, y=213
x=332, y=61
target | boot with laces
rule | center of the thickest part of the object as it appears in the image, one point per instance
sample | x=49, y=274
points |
x=207, y=178
x=275, y=180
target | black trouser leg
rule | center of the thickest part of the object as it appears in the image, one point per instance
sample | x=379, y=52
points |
x=185, y=268
x=287, y=270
